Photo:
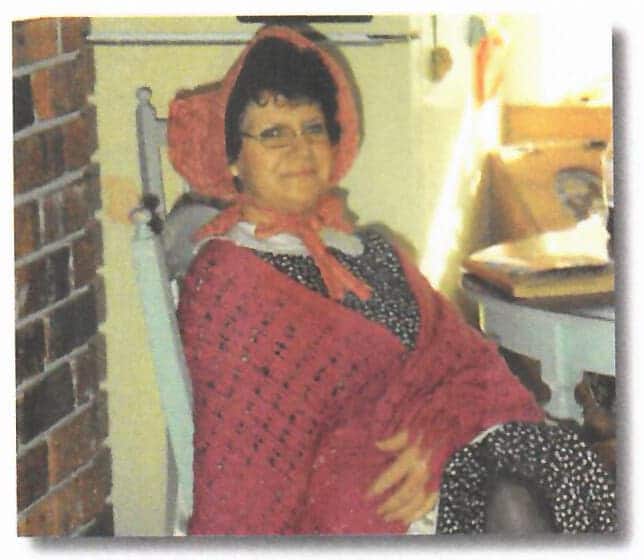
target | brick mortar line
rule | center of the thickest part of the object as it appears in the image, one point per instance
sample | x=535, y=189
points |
x=43, y=222
x=59, y=36
x=78, y=532
x=42, y=126
x=49, y=248
x=42, y=437
x=69, y=478
x=42, y=313
x=54, y=185
x=27, y=69
x=49, y=368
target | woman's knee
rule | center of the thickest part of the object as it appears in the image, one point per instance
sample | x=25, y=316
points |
x=514, y=507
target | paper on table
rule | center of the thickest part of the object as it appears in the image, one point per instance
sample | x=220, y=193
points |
x=584, y=245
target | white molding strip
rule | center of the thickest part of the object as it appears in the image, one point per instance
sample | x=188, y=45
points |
x=108, y=38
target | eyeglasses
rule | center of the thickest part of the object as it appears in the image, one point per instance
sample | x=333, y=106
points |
x=281, y=136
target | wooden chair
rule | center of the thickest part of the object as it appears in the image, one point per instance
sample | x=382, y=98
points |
x=156, y=272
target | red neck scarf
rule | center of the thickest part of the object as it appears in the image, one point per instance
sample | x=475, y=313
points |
x=329, y=212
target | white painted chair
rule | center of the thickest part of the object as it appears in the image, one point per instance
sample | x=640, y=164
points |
x=156, y=273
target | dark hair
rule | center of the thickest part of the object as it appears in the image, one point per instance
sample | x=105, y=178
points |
x=279, y=66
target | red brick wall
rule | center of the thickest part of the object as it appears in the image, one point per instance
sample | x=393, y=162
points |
x=64, y=466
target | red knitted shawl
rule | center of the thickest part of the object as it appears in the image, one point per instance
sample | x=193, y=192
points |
x=292, y=390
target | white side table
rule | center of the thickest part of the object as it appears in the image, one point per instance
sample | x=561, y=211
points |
x=567, y=337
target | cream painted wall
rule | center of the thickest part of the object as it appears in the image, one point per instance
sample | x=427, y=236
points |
x=553, y=57
x=455, y=137
x=418, y=173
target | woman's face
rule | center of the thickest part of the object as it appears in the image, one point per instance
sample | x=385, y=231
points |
x=288, y=178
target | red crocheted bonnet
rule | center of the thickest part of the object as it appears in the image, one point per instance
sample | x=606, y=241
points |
x=196, y=123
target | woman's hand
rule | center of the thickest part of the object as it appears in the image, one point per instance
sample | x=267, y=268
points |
x=410, y=470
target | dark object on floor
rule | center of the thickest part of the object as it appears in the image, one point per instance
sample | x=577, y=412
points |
x=599, y=421
x=596, y=394
x=607, y=452
x=529, y=372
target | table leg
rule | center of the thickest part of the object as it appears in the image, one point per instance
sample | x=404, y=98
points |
x=562, y=404
x=564, y=344
x=562, y=380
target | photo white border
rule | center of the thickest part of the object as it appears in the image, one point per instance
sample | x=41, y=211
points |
x=624, y=17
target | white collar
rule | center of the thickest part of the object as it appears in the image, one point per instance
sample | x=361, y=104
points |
x=243, y=235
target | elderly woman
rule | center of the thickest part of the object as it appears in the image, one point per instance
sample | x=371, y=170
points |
x=331, y=382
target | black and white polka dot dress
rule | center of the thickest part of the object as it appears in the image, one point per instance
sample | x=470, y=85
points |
x=392, y=302
x=576, y=487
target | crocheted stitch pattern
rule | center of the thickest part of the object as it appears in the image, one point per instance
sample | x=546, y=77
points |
x=292, y=390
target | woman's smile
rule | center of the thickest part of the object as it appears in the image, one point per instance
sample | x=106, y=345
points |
x=300, y=173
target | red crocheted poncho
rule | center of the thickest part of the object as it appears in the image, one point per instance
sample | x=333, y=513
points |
x=292, y=390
